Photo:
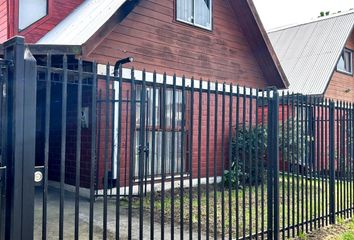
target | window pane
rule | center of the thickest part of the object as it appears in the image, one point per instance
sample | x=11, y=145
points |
x=137, y=105
x=31, y=11
x=341, y=65
x=347, y=60
x=203, y=13
x=185, y=10
x=150, y=103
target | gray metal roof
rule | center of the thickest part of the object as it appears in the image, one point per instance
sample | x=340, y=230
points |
x=82, y=23
x=309, y=52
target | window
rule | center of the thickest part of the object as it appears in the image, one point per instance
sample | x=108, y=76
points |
x=196, y=12
x=177, y=150
x=345, y=63
x=31, y=11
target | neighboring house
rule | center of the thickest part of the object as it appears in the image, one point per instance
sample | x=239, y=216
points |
x=220, y=40
x=317, y=56
x=317, y=59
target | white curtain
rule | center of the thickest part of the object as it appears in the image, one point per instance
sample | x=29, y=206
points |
x=185, y=10
x=202, y=13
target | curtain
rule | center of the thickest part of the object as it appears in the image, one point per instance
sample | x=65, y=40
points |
x=202, y=13
x=185, y=10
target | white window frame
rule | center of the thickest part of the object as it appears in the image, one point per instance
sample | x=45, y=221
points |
x=350, y=62
x=193, y=22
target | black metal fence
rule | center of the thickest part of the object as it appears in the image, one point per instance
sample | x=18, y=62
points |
x=129, y=154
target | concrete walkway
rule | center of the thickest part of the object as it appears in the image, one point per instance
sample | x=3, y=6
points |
x=69, y=219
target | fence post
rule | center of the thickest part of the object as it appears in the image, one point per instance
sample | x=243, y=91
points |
x=332, y=213
x=273, y=167
x=20, y=151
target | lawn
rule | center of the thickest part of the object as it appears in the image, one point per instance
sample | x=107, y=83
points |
x=343, y=230
x=244, y=211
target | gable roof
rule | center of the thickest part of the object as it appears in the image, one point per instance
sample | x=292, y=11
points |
x=87, y=25
x=309, y=52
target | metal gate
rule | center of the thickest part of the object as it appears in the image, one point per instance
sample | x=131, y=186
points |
x=96, y=152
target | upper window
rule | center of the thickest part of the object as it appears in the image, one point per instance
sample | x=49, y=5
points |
x=196, y=12
x=31, y=11
x=345, y=63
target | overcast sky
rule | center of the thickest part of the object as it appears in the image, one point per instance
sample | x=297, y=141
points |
x=277, y=13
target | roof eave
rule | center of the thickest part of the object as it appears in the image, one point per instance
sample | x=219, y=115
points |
x=256, y=34
x=108, y=27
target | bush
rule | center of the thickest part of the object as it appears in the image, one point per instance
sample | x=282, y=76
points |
x=249, y=143
x=246, y=145
x=294, y=141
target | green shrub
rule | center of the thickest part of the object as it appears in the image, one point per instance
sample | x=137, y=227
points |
x=294, y=141
x=249, y=148
x=247, y=156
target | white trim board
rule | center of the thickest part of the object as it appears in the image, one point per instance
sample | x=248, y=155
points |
x=138, y=74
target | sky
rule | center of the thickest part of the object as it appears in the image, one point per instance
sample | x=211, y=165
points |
x=278, y=13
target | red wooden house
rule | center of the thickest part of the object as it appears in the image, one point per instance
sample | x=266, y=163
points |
x=220, y=40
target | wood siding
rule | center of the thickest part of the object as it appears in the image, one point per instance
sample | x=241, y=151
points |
x=151, y=35
x=3, y=20
x=57, y=11
x=341, y=86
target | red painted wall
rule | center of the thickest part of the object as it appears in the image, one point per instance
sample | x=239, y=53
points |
x=57, y=11
x=158, y=42
x=3, y=20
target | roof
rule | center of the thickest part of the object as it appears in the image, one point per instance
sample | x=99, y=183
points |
x=309, y=52
x=257, y=37
x=87, y=25
x=82, y=23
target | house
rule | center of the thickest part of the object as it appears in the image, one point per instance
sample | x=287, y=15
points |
x=220, y=40
x=317, y=59
x=317, y=56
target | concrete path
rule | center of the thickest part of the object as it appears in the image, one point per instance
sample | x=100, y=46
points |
x=69, y=219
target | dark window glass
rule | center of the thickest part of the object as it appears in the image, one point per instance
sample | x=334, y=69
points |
x=345, y=63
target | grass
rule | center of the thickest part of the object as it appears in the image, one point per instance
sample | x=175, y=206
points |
x=244, y=211
x=349, y=234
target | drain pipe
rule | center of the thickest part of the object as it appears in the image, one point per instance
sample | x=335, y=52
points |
x=121, y=62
